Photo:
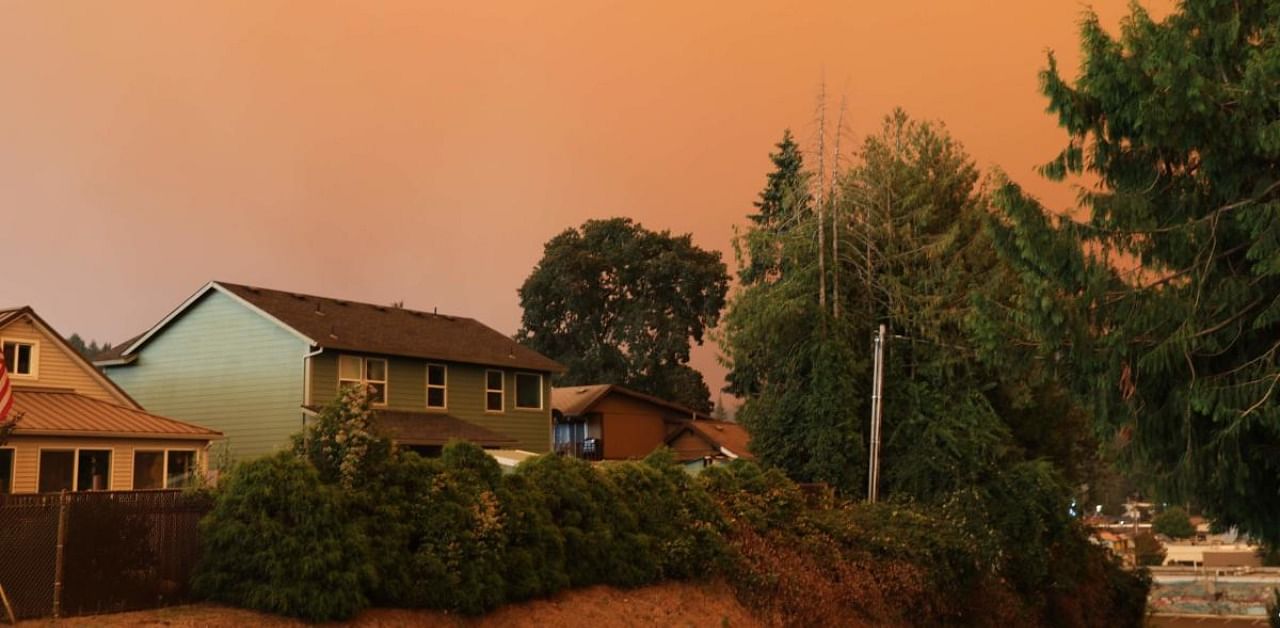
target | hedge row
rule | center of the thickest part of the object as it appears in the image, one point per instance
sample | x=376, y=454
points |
x=344, y=522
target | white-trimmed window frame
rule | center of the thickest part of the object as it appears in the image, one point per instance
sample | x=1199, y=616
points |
x=502, y=391
x=164, y=465
x=13, y=469
x=364, y=376
x=35, y=358
x=444, y=387
x=75, y=465
x=541, y=391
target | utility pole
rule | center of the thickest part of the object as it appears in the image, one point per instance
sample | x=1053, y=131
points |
x=877, y=411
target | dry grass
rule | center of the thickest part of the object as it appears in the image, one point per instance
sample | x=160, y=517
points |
x=668, y=604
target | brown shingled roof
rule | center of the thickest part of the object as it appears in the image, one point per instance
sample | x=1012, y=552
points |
x=62, y=412
x=726, y=435
x=368, y=328
x=578, y=400
x=429, y=428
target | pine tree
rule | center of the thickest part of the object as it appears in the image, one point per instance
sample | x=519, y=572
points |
x=785, y=200
x=1162, y=306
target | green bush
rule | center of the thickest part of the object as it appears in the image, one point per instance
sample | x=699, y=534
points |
x=1173, y=523
x=278, y=540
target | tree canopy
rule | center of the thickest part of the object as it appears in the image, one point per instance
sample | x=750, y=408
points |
x=907, y=224
x=1161, y=304
x=619, y=304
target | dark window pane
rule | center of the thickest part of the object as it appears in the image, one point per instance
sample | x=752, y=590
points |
x=493, y=380
x=8, y=356
x=377, y=392
x=148, y=470
x=528, y=391
x=435, y=375
x=376, y=370
x=24, y=360
x=493, y=402
x=182, y=468
x=6, y=471
x=94, y=473
x=435, y=397
x=56, y=469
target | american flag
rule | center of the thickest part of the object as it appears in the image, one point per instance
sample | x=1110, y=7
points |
x=6, y=392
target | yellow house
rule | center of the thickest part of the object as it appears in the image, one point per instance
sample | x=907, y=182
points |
x=76, y=430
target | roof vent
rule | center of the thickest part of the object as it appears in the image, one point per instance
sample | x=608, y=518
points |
x=333, y=332
x=340, y=302
x=300, y=297
x=319, y=310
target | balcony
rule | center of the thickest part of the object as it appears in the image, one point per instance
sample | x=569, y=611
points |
x=586, y=449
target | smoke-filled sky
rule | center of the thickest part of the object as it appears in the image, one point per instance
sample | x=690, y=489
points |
x=424, y=151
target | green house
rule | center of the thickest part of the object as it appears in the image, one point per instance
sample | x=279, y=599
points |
x=256, y=364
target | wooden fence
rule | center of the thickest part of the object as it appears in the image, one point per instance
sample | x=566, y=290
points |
x=97, y=552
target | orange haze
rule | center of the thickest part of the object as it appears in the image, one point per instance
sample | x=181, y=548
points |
x=423, y=152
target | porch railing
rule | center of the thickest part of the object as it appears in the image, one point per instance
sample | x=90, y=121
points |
x=586, y=449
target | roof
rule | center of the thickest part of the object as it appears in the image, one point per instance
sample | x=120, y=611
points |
x=10, y=315
x=578, y=400
x=369, y=328
x=730, y=438
x=64, y=412
x=429, y=428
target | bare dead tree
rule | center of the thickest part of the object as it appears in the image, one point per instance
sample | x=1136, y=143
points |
x=822, y=132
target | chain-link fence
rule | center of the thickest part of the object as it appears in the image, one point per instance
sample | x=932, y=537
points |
x=97, y=552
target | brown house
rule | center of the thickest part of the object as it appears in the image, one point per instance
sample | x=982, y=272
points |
x=704, y=442
x=608, y=422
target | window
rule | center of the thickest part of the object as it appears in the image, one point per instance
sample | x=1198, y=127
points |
x=93, y=470
x=6, y=471
x=75, y=470
x=20, y=358
x=180, y=469
x=57, y=468
x=368, y=372
x=493, y=391
x=148, y=470
x=528, y=391
x=163, y=469
x=437, y=375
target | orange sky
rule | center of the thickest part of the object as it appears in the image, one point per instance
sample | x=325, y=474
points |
x=411, y=151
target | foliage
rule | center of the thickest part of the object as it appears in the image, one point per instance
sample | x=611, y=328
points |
x=617, y=303
x=1148, y=550
x=89, y=350
x=1173, y=523
x=908, y=220
x=1273, y=609
x=340, y=442
x=278, y=540
x=785, y=199
x=1159, y=306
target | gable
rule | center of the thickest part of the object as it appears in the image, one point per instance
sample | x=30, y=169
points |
x=57, y=364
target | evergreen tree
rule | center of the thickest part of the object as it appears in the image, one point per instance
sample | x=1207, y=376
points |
x=1162, y=305
x=785, y=200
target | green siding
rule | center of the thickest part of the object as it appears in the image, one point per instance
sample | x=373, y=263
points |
x=226, y=367
x=407, y=390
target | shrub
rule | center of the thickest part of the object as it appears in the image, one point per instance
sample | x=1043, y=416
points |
x=1173, y=523
x=340, y=443
x=278, y=540
x=1148, y=550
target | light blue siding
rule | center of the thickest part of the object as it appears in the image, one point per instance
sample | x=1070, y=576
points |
x=226, y=367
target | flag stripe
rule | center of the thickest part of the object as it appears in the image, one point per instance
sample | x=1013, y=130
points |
x=6, y=393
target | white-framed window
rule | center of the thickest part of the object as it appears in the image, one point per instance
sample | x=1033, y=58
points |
x=163, y=468
x=494, y=391
x=528, y=391
x=21, y=358
x=74, y=470
x=371, y=373
x=437, y=386
x=7, y=456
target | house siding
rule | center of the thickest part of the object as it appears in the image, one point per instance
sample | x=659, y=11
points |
x=54, y=367
x=630, y=428
x=465, y=392
x=26, y=460
x=226, y=367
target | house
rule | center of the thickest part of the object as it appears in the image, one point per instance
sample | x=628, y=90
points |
x=255, y=363
x=609, y=422
x=77, y=430
x=704, y=442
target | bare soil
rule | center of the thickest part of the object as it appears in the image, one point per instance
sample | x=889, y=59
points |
x=668, y=604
